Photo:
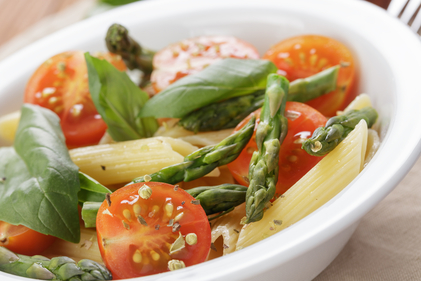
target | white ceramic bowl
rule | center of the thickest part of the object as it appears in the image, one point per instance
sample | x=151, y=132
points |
x=389, y=57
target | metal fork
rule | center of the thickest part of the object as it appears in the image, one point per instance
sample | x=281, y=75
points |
x=409, y=15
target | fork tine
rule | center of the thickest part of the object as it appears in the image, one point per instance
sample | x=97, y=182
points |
x=410, y=10
x=416, y=24
x=395, y=7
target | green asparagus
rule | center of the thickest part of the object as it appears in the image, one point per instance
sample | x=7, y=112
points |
x=220, y=198
x=89, y=212
x=204, y=160
x=228, y=113
x=325, y=139
x=214, y=199
x=314, y=86
x=135, y=57
x=58, y=268
x=270, y=133
x=222, y=115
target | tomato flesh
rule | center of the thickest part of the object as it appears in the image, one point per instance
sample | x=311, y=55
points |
x=306, y=55
x=23, y=240
x=130, y=248
x=294, y=162
x=61, y=85
x=192, y=55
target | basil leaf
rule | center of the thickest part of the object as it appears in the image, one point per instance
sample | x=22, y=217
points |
x=91, y=190
x=221, y=80
x=40, y=182
x=118, y=100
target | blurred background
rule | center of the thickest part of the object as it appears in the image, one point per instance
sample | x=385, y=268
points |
x=23, y=21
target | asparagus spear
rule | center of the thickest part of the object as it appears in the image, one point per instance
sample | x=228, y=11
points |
x=59, y=268
x=89, y=213
x=204, y=160
x=220, y=198
x=228, y=113
x=136, y=57
x=325, y=139
x=314, y=86
x=222, y=115
x=214, y=199
x=270, y=133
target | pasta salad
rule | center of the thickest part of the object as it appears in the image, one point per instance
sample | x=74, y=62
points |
x=211, y=150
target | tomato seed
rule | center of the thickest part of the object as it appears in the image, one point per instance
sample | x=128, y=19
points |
x=155, y=256
x=127, y=214
x=179, y=216
x=169, y=208
x=292, y=158
x=137, y=257
x=137, y=209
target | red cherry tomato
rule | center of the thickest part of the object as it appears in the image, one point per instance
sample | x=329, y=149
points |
x=192, y=55
x=294, y=162
x=61, y=84
x=135, y=234
x=305, y=55
x=22, y=240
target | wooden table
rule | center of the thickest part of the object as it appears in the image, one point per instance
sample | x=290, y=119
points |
x=18, y=15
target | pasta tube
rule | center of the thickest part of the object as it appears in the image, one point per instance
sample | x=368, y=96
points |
x=8, y=126
x=332, y=174
x=87, y=248
x=123, y=161
x=171, y=129
x=228, y=228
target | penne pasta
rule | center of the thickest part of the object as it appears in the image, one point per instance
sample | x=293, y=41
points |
x=123, y=161
x=228, y=229
x=8, y=126
x=87, y=248
x=359, y=102
x=171, y=129
x=332, y=174
x=373, y=144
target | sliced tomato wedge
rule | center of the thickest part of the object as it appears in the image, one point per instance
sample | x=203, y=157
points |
x=294, y=162
x=61, y=84
x=23, y=240
x=192, y=55
x=306, y=55
x=136, y=234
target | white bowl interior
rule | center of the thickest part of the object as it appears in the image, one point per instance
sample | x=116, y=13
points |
x=263, y=23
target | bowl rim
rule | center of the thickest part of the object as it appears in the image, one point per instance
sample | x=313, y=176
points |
x=329, y=220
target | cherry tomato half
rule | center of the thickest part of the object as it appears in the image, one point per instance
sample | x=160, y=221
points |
x=61, y=84
x=135, y=235
x=294, y=162
x=305, y=55
x=192, y=55
x=23, y=240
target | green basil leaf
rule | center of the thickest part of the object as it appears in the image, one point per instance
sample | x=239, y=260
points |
x=221, y=80
x=40, y=183
x=91, y=190
x=118, y=100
